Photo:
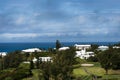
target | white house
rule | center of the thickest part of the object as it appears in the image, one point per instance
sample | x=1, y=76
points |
x=32, y=50
x=26, y=62
x=43, y=59
x=116, y=47
x=83, y=54
x=103, y=48
x=34, y=60
x=82, y=46
x=63, y=48
x=3, y=54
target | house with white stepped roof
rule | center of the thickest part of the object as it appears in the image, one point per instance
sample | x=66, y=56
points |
x=32, y=50
x=103, y=48
x=82, y=46
x=63, y=48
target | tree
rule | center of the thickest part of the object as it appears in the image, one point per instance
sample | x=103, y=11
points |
x=109, y=59
x=93, y=47
x=116, y=59
x=93, y=58
x=58, y=44
x=61, y=67
x=63, y=62
x=31, y=65
x=1, y=64
x=12, y=60
x=105, y=58
x=38, y=62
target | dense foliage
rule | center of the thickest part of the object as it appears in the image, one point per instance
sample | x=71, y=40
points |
x=61, y=67
x=12, y=60
x=109, y=59
x=15, y=74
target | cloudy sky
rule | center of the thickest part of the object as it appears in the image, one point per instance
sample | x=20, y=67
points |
x=66, y=20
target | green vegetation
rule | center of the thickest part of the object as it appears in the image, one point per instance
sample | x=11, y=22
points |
x=109, y=59
x=16, y=74
x=61, y=67
x=80, y=72
x=64, y=65
x=58, y=44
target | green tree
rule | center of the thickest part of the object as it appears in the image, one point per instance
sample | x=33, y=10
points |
x=94, y=47
x=105, y=59
x=116, y=59
x=12, y=60
x=38, y=63
x=1, y=64
x=31, y=65
x=58, y=44
x=109, y=59
x=63, y=62
x=61, y=67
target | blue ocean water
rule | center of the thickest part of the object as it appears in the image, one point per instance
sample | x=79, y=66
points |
x=9, y=47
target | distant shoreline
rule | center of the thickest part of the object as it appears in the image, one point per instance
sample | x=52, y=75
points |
x=10, y=47
x=70, y=42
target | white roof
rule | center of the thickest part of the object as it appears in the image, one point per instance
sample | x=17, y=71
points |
x=3, y=53
x=26, y=62
x=82, y=52
x=116, y=46
x=90, y=52
x=101, y=47
x=82, y=45
x=77, y=51
x=35, y=59
x=32, y=50
x=63, y=48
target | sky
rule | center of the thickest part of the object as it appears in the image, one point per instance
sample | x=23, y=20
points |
x=64, y=20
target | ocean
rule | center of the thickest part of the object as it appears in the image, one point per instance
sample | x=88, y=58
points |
x=10, y=47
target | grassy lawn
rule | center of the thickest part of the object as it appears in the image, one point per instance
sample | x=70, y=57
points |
x=79, y=71
x=93, y=70
x=96, y=70
x=36, y=73
x=111, y=77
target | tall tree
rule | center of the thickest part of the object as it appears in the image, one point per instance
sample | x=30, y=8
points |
x=105, y=58
x=61, y=67
x=31, y=65
x=63, y=62
x=116, y=59
x=94, y=47
x=58, y=44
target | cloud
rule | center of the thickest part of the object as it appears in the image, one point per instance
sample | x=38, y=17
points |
x=18, y=35
x=20, y=20
x=34, y=35
x=78, y=19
